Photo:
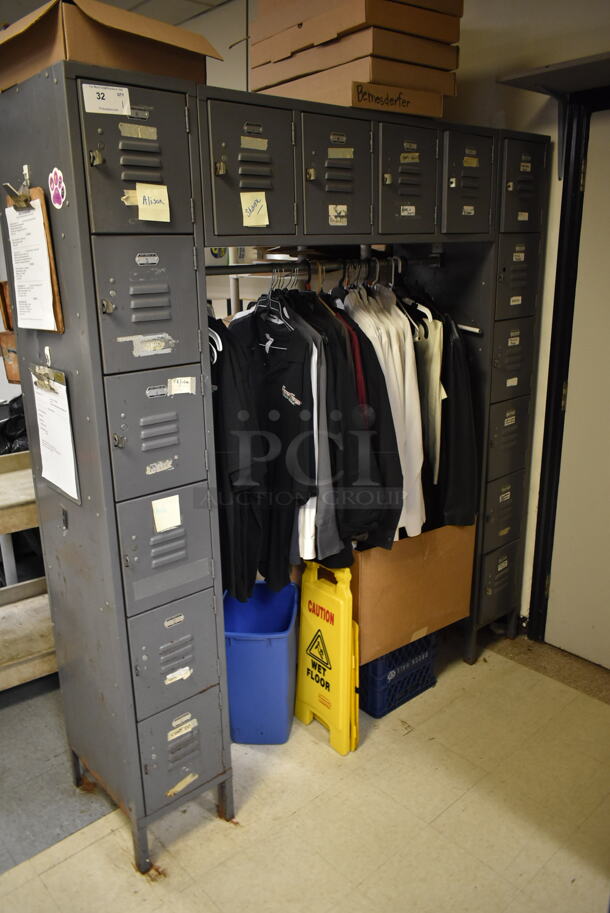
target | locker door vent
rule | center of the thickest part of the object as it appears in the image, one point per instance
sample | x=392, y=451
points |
x=255, y=170
x=526, y=186
x=409, y=181
x=501, y=577
x=140, y=160
x=518, y=275
x=157, y=431
x=185, y=746
x=175, y=655
x=150, y=301
x=470, y=184
x=339, y=175
x=168, y=547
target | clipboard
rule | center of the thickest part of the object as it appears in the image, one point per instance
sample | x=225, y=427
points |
x=24, y=198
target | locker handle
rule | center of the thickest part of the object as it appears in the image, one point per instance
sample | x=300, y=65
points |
x=387, y=177
x=96, y=158
x=310, y=174
x=108, y=307
x=119, y=440
x=453, y=183
x=220, y=169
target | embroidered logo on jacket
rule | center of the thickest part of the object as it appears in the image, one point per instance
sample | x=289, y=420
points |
x=290, y=397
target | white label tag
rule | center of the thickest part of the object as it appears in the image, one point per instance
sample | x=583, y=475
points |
x=156, y=344
x=471, y=161
x=518, y=257
x=512, y=381
x=153, y=203
x=337, y=214
x=178, y=385
x=515, y=339
x=407, y=210
x=138, y=131
x=505, y=496
x=502, y=564
x=166, y=513
x=260, y=143
x=254, y=209
x=510, y=420
x=409, y=158
x=106, y=99
x=516, y=299
x=525, y=166
x=182, y=730
x=179, y=675
x=467, y=210
x=523, y=217
x=159, y=466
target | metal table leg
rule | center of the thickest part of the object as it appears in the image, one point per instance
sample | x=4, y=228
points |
x=8, y=559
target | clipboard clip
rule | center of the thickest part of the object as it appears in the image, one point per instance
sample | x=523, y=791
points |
x=21, y=199
x=43, y=377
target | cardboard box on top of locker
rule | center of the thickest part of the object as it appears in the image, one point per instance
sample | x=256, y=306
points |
x=452, y=7
x=96, y=33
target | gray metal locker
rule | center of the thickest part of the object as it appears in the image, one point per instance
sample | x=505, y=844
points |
x=508, y=437
x=467, y=182
x=500, y=583
x=166, y=546
x=408, y=158
x=180, y=749
x=512, y=359
x=252, y=156
x=337, y=164
x=523, y=181
x=156, y=428
x=504, y=500
x=173, y=652
x=146, y=300
x=148, y=146
x=518, y=264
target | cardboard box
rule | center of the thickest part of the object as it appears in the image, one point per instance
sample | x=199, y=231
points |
x=367, y=69
x=8, y=348
x=96, y=33
x=421, y=585
x=452, y=7
x=341, y=86
x=316, y=19
x=375, y=42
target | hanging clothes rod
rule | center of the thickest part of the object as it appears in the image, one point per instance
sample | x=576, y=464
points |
x=290, y=267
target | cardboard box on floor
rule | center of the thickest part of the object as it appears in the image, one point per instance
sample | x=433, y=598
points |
x=367, y=69
x=95, y=33
x=337, y=87
x=321, y=23
x=420, y=586
x=375, y=42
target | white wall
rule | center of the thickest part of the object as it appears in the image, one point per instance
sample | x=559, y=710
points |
x=501, y=38
x=223, y=26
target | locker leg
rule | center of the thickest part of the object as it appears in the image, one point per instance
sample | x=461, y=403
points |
x=77, y=770
x=226, y=804
x=470, y=647
x=512, y=625
x=140, y=847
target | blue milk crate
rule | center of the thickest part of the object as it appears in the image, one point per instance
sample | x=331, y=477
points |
x=393, y=679
x=261, y=642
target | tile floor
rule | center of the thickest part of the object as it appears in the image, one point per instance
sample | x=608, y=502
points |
x=487, y=794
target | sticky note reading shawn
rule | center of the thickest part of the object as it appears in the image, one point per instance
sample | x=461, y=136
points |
x=153, y=202
x=166, y=513
x=254, y=208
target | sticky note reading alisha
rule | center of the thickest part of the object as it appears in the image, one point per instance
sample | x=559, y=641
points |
x=254, y=208
x=153, y=202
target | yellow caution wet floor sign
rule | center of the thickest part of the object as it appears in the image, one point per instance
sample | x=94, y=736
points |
x=327, y=680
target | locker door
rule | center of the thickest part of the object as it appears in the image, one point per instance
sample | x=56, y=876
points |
x=166, y=546
x=337, y=175
x=156, y=429
x=500, y=583
x=467, y=182
x=408, y=162
x=523, y=179
x=252, y=155
x=513, y=356
x=147, y=301
x=517, y=288
x=503, y=510
x=122, y=151
x=180, y=749
x=508, y=436
x=173, y=652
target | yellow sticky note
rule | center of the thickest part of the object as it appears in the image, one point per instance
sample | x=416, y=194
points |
x=166, y=513
x=254, y=208
x=153, y=202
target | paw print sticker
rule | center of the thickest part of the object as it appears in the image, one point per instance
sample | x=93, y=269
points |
x=57, y=188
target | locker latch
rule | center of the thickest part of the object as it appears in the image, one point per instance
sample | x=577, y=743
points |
x=108, y=306
x=387, y=177
x=310, y=174
x=119, y=440
x=510, y=186
x=220, y=168
x=96, y=157
x=453, y=183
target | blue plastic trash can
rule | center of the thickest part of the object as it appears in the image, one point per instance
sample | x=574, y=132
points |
x=261, y=642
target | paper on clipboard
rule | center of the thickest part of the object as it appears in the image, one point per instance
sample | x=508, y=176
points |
x=55, y=429
x=31, y=267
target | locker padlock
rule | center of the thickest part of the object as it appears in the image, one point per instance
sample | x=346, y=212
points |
x=108, y=306
x=453, y=183
x=119, y=440
x=489, y=591
x=510, y=186
x=387, y=178
x=96, y=157
x=310, y=174
x=220, y=168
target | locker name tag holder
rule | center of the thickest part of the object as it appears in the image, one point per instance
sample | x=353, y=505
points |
x=337, y=214
x=408, y=210
x=505, y=496
x=523, y=216
x=106, y=99
x=525, y=164
x=516, y=299
x=147, y=259
x=468, y=210
x=512, y=381
x=182, y=729
x=159, y=466
x=155, y=344
x=471, y=158
x=518, y=256
x=510, y=419
x=502, y=565
x=409, y=146
x=179, y=675
x=514, y=338
x=156, y=390
x=173, y=620
x=166, y=513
